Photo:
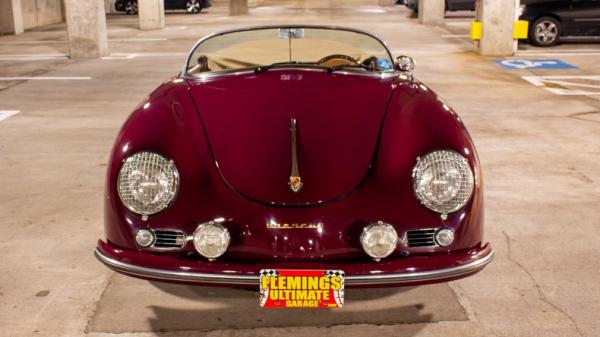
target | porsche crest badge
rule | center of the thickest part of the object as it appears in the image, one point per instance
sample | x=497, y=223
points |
x=295, y=183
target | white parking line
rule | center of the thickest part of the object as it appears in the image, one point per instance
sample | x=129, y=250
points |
x=45, y=78
x=460, y=23
x=177, y=28
x=371, y=10
x=566, y=85
x=560, y=52
x=4, y=114
x=455, y=35
x=528, y=51
x=148, y=39
x=129, y=56
x=33, y=57
x=8, y=43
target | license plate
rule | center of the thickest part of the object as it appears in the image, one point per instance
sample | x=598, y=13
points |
x=286, y=288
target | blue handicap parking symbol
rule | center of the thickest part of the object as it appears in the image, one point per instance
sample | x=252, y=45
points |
x=534, y=64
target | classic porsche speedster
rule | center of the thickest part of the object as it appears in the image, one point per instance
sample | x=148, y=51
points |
x=294, y=147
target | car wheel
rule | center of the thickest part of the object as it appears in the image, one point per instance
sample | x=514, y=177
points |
x=131, y=7
x=192, y=6
x=544, y=32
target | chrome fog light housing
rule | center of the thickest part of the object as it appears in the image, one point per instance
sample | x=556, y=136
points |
x=211, y=240
x=144, y=238
x=444, y=237
x=379, y=240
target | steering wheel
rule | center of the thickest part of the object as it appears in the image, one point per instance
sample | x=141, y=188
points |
x=337, y=57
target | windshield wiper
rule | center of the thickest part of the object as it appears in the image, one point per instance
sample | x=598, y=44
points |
x=340, y=67
x=262, y=69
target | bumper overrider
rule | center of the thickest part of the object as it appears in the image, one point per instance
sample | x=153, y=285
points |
x=411, y=270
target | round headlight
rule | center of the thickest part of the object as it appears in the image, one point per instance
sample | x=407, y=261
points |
x=211, y=240
x=379, y=240
x=443, y=181
x=147, y=183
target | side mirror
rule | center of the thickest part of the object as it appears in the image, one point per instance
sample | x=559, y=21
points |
x=405, y=63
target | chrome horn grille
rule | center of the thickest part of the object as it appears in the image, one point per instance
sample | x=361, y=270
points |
x=420, y=238
x=168, y=239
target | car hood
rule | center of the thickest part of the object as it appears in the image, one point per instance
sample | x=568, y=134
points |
x=247, y=122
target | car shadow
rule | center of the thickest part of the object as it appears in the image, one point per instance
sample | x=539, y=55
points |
x=226, y=308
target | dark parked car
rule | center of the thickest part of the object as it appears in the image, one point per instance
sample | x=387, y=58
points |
x=451, y=5
x=191, y=6
x=551, y=20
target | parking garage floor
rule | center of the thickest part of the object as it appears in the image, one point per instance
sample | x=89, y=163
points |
x=537, y=132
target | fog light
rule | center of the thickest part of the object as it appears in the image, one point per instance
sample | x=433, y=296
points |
x=211, y=240
x=444, y=237
x=379, y=240
x=144, y=237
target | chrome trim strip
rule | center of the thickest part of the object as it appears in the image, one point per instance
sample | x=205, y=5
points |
x=422, y=276
x=167, y=275
x=295, y=183
x=153, y=230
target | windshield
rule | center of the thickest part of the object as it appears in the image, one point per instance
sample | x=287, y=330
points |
x=315, y=47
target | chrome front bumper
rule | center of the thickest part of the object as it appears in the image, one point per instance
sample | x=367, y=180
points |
x=477, y=263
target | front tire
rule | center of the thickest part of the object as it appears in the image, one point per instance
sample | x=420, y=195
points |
x=193, y=6
x=545, y=32
x=131, y=7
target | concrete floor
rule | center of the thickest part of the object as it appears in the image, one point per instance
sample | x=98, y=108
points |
x=540, y=154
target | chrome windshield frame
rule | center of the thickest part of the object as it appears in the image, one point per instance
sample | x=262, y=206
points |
x=184, y=68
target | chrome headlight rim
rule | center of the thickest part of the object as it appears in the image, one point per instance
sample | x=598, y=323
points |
x=389, y=227
x=211, y=224
x=471, y=181
x=164, y=205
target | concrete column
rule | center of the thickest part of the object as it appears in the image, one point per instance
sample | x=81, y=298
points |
x=432, y=12
x=109, y=6
x=498, y=20
x=11, y=17
x=86, y=26
x=151, y=14
x=238, y=7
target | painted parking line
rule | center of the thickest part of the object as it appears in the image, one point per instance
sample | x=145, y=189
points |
x=429, y=52
x=177, y=28
x=560, y=52
x=371, y=10
x=460, y=23
x=566, y=85
x=130, y=56
x=10, y=43
x=45, y=78
x=534, y=64
x=33, y=57
x=4, y=114
x=531, y=51
x=148, y=39
x=454, y=35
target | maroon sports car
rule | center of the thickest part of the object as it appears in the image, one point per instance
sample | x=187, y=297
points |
x=294, y=147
